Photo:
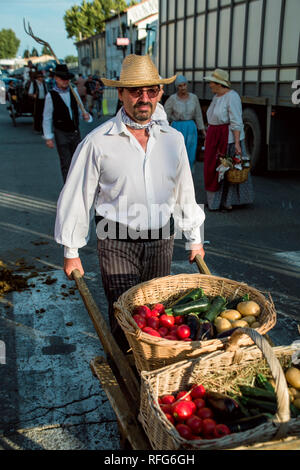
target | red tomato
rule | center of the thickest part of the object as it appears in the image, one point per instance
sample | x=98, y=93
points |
x=142, y=310
x=205, y=413
x=163, y=331
x=183, y=331
x=151, y=331
x=166, y=320
x=170, y=418
x=173, y=329
x=181, y=394
x=195, y=423
x=168, y=399
x=184, y=431
x=208, y=427
x=221, y=430
x=166, y=408
x=181, y=410
x=179, y=319
x=155, y=313
x=160, y=308
x=153, y=322
x=198, y=391
x=140, y=321
x=199, y=402
x=187, y=339
x=159, y=401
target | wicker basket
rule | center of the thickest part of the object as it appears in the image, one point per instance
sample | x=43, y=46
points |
x=234, y=176
x=152, y=352
x=230, y=366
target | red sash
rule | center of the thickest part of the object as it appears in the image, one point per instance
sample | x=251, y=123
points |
x=215, y=145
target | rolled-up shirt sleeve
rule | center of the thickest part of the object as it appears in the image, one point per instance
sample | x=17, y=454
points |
x=235, y=112
x=188, y=215
x=75, y=208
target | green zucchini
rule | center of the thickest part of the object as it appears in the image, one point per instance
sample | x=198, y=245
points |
x=255, y=392
x=262, y=405
x=217, y=306
x=192, y=295
x=200, y=305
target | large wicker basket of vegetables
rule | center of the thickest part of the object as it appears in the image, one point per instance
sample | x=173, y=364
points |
x=223, y=400
x=169, y=319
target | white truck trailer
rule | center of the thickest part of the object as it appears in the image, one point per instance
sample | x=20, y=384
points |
x=258, y=43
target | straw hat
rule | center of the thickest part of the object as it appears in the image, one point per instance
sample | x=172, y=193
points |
x=219, y=76
x=138, y=70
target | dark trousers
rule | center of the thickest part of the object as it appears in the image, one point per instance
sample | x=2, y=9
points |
x=126, y=264
x=38, y=114
x=66, y=144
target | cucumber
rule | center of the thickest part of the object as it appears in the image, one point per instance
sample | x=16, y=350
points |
x=217, y=306
x=260, y=404
x=200, y=305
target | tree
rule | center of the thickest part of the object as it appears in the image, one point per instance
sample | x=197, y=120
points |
x=71, y=59
x=89, y=18
x=26, y=54
x=9, y=44
x=34, y=52
x=46, y=51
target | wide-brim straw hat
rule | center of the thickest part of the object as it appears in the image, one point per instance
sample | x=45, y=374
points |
x=138, y=70
x=219, y=76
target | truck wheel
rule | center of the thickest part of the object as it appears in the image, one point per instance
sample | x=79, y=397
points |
x=253, y=136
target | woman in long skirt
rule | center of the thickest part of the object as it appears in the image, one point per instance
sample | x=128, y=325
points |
x=225, y=136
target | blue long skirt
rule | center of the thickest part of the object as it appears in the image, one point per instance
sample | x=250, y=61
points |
x=190, y=134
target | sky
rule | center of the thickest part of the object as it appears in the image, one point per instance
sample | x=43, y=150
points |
x=46, y=20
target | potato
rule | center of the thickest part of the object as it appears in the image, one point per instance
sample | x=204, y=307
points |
x=239, y=324
x=296, y=403
x=249, y=319
x=256, y=324
x=292, y=376
x=249, y=307
x=222, y=324
x=231, y=315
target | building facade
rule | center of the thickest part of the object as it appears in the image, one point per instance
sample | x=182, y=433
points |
x=91, y=55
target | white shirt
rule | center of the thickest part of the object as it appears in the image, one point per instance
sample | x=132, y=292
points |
x=227, y=109
x=48, y=112
x=41, y=89
x=184, y=110
x=111, y=174
x=160, y=114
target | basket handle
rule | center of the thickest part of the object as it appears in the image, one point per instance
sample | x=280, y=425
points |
x=202, y=266
x=281, y=390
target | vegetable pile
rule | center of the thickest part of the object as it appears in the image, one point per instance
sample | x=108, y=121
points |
x=197, y=317
x=201, y=413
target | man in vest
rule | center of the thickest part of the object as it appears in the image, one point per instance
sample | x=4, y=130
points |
x=61, y=118
x=38, y=91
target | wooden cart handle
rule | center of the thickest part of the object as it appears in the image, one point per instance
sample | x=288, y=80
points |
x=281, y=390
x=202, y=266
x=109, y=344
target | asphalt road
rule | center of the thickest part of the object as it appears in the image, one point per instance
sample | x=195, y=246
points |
x=48, y=397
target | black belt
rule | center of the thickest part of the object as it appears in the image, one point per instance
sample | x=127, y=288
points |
x=123, y=233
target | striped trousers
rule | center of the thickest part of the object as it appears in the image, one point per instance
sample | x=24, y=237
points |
x=126, y=264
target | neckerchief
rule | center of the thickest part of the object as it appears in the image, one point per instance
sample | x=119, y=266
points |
x=135, y=125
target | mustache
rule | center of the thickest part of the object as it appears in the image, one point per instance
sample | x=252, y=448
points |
x=142, y=103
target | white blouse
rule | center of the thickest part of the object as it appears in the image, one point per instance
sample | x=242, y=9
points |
x=184, y=110
x=227, y=109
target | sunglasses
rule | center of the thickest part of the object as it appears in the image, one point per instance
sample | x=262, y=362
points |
x=138, y=92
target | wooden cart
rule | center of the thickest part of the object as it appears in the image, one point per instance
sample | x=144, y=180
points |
x=119, y=379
